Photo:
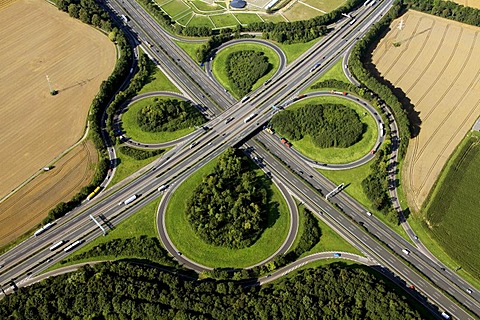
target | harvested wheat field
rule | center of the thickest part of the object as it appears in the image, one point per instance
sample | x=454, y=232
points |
x=436, y=65
x=469, y=3
x=35, y=127
x=30, y=205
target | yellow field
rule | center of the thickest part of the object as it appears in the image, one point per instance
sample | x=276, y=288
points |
x=30, y=205
x=35, y=127
x=469, y=3
x=436, y=65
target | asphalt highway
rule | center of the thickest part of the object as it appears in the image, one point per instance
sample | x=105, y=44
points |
x=213, y=142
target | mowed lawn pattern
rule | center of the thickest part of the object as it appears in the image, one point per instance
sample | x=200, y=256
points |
x=186, y=241
x=453, y=216
x=436, y=65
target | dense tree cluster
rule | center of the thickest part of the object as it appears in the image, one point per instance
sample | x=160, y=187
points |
x=90, y=12
x=168, y=115
x=144, y=248
x=358, y=61
x=229, y=207
x=329, y=125
x=139, y=154
x=310, y=236
x=447, y=9
x=244, y=68
x=375, y=185
x=119, y=290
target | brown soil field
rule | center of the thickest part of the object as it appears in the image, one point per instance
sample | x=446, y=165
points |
x=30, y=205
x=37, y=39
x=469, y=3
x=437, y=67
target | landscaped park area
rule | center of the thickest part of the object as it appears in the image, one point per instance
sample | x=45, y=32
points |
x=36, y=127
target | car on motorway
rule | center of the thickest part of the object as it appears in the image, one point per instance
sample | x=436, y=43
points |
x=228, y=120
x=337, y=255
x=193, y=145
x=469, y=291
x=445, y=315
x=369, y=213
x=406, y=251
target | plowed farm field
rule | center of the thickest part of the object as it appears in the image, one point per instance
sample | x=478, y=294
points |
x=35, y=127
x=436, y=65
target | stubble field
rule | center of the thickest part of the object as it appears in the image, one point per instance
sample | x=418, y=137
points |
x=27, y=207
x=469, y=3
x=436, y=65
x=35, y=127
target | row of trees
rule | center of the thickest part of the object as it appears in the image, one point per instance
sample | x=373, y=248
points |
x=139, y=154
x=447, y=9
x=329, y=125
x=120, y=290
x=140, y=248
x=90, y=12
x=169, y=115
x=358, y=65
x=244, y=68
x=229, y=207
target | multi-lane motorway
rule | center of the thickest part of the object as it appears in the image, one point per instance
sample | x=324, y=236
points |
x=33, y=255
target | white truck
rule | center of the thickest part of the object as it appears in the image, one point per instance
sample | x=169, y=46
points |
x=128, y=200
x=407, y=252
x=250, y=117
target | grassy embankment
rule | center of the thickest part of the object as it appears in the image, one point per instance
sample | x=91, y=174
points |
x=219, y=66
x=187, y=242
x=338, y=155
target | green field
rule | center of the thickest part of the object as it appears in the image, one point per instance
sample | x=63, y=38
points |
x=326, y=5
x=158, y=82
x=224, y=20
x=200, y=20
x=274, y=18
x=300, y=11
x=175, y=7
x=219, y=64
x=205, y=7
x=246, y=18
x=132, y=130
x=185, y=19
x=293, y=51
x=452, y=214
x=141, y=223
x=187, y=242
x=338, y=155
x=129, y=165
x=190, y=48
x=329, y=240
x=335, y=72
x=353, y=181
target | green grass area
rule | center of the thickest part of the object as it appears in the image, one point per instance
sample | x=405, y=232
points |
x=190, y=48
x=329, y=239
x=273, y=18
x=224, y=20
x=205, y=7
x=219, y=64
x=338, y=155
x=130, y=126
x=326, y=5
x=187, y=242
x=129, y=165
x=184, y=19
x=293, y=51
x=158, y=82
x=353, y=180
x=200, y=20
x=335, y=72
x=246, y=18
x=141, y=223
x=451, y=216
x=299, y=11
x=175, y=7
